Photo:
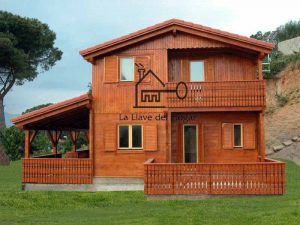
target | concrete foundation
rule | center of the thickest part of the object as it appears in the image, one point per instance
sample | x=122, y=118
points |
x=99, y=184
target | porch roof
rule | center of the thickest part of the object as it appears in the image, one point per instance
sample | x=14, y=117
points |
x=66, y=115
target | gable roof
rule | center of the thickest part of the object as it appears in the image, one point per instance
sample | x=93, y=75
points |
x=175, y=25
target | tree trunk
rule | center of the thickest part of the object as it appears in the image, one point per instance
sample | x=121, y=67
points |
x=2, y=116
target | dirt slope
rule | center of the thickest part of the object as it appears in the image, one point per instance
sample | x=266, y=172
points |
x=283, y=122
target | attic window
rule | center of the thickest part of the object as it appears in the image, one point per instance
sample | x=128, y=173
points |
x=196, y=71
x=126, y=69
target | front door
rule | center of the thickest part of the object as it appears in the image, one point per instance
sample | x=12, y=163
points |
x=190, y=143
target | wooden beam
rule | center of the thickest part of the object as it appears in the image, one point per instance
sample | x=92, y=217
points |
x=261, y=138
x=33, y=135
x=51, y=138
x=259, y=66
x=27, y=144
x=74, y=138
x=54, y=137
x=91, y=137
x=174, y=32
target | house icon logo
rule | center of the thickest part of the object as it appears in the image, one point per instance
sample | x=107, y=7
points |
x=150, y=94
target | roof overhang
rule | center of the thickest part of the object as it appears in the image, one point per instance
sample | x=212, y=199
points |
x=70, y=114
x=175, y=25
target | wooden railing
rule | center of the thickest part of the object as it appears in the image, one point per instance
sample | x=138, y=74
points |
x=261, y=178
x=218, y=94
x=57, y=171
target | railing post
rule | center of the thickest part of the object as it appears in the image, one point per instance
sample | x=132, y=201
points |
x=210, y=184
x=173, y=178
x=146, y=179
x=244, y=185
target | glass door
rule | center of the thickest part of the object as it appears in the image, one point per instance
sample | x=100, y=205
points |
x=190, y=143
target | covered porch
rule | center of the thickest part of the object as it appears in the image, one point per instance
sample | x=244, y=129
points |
x=70, y=119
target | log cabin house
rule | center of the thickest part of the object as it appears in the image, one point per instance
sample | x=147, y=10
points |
x=175, y=108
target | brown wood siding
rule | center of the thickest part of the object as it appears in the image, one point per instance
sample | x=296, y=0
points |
x=127, y=163
x=214, y=151
x=180, y=41
x=111, y=69
x=110, y=99
x=110, y=137
x=150, y=137
x=217, y=67
x=145, y=61
x=249, y=130
x=227, y=136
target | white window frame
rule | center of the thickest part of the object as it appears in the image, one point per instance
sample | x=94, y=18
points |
x=183, y=150
x=190, y=62
x=242, y=135
x=130, y=137
x=120, y=68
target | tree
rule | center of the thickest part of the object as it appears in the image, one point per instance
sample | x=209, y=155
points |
x=289, y=30
x=278, y=60
x=13, y=140
x=36, y=107
x=26, y=49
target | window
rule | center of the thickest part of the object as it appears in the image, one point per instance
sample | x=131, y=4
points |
x=237, y=135
x=123, y=137
x=196, y=71
x=126, y=69
x=130, y=136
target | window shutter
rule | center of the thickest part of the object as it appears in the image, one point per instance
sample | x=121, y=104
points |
x=208, y=69
x=150, y=137
x=185, y=70
x=110, y=138
x=111, y=69
x=249, y=136
x=145, y=61
x=227, y=135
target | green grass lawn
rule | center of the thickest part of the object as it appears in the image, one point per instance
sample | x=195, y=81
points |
x=29, y=207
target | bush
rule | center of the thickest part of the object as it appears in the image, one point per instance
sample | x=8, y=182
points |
x=12, y=140
x=282, y=100
x=41, y=144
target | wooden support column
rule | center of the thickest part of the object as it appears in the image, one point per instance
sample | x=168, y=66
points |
x=74, y=137
x=29, y=137
x=91, y=134
x=261, y=137
x=27, y=144
x=259, y=67
x=169, y=136
x=54, y=137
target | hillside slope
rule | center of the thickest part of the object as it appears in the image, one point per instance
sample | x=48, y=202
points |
x=282, y=120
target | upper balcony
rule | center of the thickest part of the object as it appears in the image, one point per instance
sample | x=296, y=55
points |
x=218, y=94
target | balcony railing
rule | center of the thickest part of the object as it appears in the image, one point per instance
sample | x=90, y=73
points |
x=258, y=178
x=57, y=171
x=218, y=94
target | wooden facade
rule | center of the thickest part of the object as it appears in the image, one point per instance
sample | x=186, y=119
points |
x=230, y=96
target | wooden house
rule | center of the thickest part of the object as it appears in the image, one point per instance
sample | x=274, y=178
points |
x=175, y=108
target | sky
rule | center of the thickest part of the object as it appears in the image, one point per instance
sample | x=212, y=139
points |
x=82, y=24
